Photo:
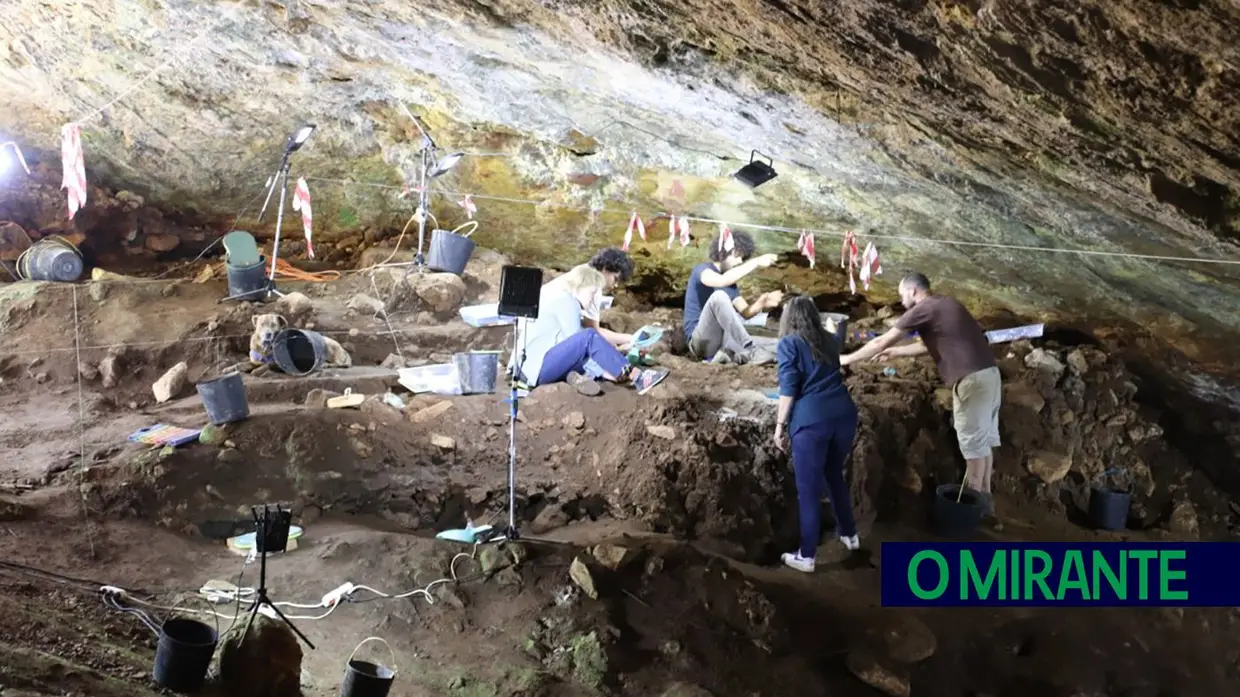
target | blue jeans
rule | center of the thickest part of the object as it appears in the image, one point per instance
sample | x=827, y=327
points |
x=571, y=355
x=819, y=451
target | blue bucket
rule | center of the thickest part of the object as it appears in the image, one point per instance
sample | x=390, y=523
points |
x=1108, y=509
x=51, y=259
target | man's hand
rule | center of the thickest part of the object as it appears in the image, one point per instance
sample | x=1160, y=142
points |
x=764, y=261
x=884, y=356
x=771, y=300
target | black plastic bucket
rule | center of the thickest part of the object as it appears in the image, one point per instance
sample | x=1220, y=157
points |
x=51, y=259
x=247, y=282
x=449, y=252
x=224, y=399
x=184, y=653
x=956, y=519
x=365, y=678
x=1108, y=509
x=477, y=370
x=298, y=352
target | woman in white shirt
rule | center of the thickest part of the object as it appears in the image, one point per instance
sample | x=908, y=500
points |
x=557, y=347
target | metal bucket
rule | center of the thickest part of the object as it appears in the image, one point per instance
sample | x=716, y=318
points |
x=477, y=371
x=51, y=259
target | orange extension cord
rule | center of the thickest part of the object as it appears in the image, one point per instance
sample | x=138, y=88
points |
x=287, y=270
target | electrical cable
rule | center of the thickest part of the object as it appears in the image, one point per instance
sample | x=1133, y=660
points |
x=115, y=597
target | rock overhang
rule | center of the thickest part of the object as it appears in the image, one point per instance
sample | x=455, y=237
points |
x=574, y=119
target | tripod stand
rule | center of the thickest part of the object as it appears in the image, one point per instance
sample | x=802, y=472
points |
x=519, y=291
x=292, y=145
x=271, y=530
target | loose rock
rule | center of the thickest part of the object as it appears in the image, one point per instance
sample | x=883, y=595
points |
x=266, y=664
x=1048, y=466
x=664, y=432
x=365, y=304
x=611, y=556
x=549, y=518
x=172, y=383
x=443, y=292
x=869, y=671
x=1041, y=359
x=580, y=575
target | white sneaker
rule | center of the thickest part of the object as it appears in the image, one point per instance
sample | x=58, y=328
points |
x=852, y=542
x=794, y=560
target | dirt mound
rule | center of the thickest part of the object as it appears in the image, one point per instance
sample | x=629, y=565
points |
x=688, y=464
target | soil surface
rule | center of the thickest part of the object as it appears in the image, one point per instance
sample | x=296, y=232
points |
x=652, y=524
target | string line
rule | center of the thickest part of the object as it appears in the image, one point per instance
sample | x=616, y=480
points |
x=796, y=231
x=79, y=348
x=174, y=54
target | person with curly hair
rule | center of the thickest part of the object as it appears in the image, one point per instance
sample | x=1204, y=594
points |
x=715, y=312
x=617, y=267
x=819, y=419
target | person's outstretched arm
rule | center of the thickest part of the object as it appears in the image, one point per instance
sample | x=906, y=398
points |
x=907, y=351
x=874, y=347
x=722, y=279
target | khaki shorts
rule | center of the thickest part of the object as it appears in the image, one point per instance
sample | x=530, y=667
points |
x=975, y=412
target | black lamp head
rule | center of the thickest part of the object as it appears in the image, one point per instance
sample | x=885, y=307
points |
x=445, y=163
x=299, y=137
x=756, y=173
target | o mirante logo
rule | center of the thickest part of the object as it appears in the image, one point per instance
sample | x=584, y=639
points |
x=1041, y=574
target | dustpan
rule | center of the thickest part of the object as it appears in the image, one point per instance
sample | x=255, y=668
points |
x=467, y=535
x=242, y=249
x=646, y=337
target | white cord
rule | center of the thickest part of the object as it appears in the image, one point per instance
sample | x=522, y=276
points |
x=220, y=593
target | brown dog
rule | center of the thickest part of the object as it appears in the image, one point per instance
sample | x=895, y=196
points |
x=336, y=356
x=266, y=326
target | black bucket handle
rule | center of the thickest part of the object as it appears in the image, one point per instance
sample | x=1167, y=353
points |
x=381, y=640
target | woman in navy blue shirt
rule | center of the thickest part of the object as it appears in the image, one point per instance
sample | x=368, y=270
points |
x=820, y=419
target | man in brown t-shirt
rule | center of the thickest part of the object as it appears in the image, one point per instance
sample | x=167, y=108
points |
x=960, y=349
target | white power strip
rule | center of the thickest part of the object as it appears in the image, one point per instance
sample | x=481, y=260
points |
x=333, y=598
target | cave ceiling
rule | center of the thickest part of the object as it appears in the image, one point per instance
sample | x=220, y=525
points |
x=932, y=127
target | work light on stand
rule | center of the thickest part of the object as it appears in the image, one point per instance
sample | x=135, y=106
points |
x=295, y=140
x=432, y=167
